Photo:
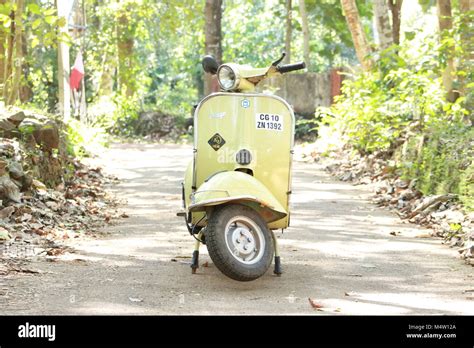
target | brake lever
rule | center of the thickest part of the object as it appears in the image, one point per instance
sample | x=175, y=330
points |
x=276, y=62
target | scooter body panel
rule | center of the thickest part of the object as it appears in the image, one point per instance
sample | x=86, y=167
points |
x=237, y=187
x=226, y=124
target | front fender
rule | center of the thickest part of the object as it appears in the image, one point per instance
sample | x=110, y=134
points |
x=237, y=187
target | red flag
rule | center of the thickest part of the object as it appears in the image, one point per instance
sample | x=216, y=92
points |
x=77, y=72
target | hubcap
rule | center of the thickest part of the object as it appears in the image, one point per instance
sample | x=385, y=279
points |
x=245, y=240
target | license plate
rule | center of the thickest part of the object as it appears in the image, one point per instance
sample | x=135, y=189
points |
x=272, y=122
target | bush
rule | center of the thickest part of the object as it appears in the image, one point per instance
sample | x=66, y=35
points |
x=83, y=140
x=399, y=110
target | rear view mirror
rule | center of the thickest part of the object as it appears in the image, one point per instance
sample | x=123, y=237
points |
x=209, y=64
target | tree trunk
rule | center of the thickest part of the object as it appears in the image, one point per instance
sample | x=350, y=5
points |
x=382, y=23
x=64, y=95
x=467, y=43
x=8, y=64
x=359, y=38
x=3, y=38
x=395, y=8
x=14, y=93
x=213, y=32
x=125, y=47
x=445, y=21
x=26, y=92
x=304, y=21
x=287, y=59
x=106, y=80
x=464, y=5
x=467, y=35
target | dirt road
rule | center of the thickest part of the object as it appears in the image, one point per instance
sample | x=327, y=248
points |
x=338, y=251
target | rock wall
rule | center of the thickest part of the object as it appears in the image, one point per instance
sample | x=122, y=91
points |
x=31, y=150
x=305, y=92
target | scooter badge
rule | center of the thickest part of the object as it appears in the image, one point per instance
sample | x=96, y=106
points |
x=216, y=141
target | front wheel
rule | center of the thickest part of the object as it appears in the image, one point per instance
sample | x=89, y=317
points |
x=239, y=242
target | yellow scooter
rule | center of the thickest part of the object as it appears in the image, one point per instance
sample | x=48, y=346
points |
x=236, y=189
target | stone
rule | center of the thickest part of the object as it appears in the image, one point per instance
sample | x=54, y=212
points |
x=9, y=190
x=454, y=216
x=5, y=213
x=44, y=131
x=4, y=234
x=52, y=205
x=3, y=166
x=16, y=170
x=39, y=187
x=401, y=183
x=7, y=149
x=47, y=137
x=406, y=195
x=401, y=204
x=7, y=125
x=347, y=176
x=26, y=181
x=17, y=118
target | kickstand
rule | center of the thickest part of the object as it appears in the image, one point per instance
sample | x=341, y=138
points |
x=277, y=270
x=195, y=259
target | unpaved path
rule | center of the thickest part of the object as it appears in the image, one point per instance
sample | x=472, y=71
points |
x=338, y=251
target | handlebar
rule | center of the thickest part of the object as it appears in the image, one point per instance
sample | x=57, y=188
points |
x=291, y=67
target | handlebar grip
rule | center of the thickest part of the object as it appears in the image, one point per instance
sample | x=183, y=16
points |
x=291, y=67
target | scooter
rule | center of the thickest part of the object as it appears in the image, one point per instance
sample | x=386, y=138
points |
x=236, y=189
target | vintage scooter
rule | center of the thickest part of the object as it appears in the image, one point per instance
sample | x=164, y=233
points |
x=236, y=189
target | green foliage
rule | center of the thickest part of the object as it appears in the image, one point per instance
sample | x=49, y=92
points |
x=400, y=109
x=83, y=140
x=466, y=186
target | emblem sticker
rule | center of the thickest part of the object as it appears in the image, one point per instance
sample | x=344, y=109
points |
x=216, y=141
x=245, y=103
x=217, y=115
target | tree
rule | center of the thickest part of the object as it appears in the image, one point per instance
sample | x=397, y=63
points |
x=359, y=38
x=288, y=32
x=395, y=7
x=125, y=49
x=466, y=8
x=445, y=21
x=9, y=46
x=213, y=33
x=64, y=94
x=14, y=93
x=304, y=21
x=382, y=21
x=3, y=37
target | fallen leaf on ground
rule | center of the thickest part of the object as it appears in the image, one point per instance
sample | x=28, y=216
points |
x=134, y=299
x=25, y=270
x=368, y=266
x=79, y=260
x=424, y=235
x=314, y=304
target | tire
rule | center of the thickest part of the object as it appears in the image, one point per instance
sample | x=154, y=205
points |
x=253, y=252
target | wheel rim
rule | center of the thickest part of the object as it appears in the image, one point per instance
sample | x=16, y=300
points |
x=245, y=240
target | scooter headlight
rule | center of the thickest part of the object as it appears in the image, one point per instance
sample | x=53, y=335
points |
x=228, y=77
